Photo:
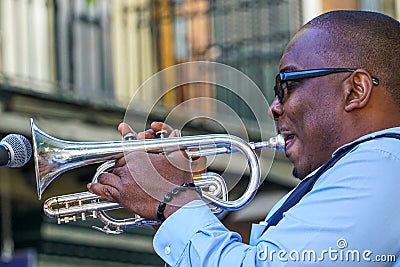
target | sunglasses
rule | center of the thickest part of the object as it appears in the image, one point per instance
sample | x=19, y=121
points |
x=283, y=77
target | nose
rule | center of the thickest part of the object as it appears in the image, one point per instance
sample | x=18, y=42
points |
x=276, y=109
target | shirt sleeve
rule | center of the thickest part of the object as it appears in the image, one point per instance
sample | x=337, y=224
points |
x=189, y=230
x=351, y=214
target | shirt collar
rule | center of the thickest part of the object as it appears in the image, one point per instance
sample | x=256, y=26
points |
x=389, y=130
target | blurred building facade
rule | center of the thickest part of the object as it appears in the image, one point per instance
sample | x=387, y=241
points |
x=74, y=65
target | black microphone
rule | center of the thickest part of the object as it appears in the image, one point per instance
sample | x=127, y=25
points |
x=15, y=151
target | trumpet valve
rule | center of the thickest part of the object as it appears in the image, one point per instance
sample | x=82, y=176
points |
x=66, y=219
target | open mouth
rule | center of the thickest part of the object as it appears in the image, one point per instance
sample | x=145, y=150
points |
x=289, y=139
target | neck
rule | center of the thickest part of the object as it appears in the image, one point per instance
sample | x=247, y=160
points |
x=357, y=128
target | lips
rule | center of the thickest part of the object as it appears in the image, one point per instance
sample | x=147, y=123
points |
x=289, y=139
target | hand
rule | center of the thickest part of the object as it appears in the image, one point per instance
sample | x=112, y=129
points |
x=140, y=180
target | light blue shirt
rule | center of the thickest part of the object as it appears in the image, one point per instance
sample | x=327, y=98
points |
x=351, y=217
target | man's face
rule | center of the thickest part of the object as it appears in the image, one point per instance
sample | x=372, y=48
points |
x=310, y=113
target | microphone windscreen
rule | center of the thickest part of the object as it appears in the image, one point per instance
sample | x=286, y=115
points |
x=20, y=150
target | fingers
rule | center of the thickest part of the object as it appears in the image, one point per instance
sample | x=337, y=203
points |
x=124, y=128
x=155, y=128
x=199, y=165
x=106, y=187
x=159, y=126
x=175, y=133
x=148, y=134
x=120, y=162
x=151, y=133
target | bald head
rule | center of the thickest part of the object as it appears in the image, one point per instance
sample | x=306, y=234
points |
x=362, y=39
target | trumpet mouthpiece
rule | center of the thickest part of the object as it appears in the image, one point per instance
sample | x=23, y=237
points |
x=275, y=143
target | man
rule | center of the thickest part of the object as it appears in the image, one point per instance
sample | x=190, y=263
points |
x=338, y=105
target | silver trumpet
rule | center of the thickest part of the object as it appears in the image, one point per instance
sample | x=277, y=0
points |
x=53, y=157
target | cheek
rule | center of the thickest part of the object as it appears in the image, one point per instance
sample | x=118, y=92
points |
x=302, y=115
x=310, y=120
x=320, y=128
x=311, y=110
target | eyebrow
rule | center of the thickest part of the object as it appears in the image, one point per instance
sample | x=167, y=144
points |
x=288, y=68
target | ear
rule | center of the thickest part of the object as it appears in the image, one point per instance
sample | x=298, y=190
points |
x=358, y=90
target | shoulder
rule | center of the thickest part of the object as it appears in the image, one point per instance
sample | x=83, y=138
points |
x=372, y=162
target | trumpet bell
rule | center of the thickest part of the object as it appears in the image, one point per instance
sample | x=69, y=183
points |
x=45, y=168
x=53, y=156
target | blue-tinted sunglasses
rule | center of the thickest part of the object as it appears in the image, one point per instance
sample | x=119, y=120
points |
x=296, y=75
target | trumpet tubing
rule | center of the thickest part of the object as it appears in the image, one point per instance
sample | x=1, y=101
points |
x=53, y=157
x=72, y=207
x=83, y=205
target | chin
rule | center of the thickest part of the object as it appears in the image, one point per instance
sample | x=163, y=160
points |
x=295, y=171
x=300, y=175
x=296, y=174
